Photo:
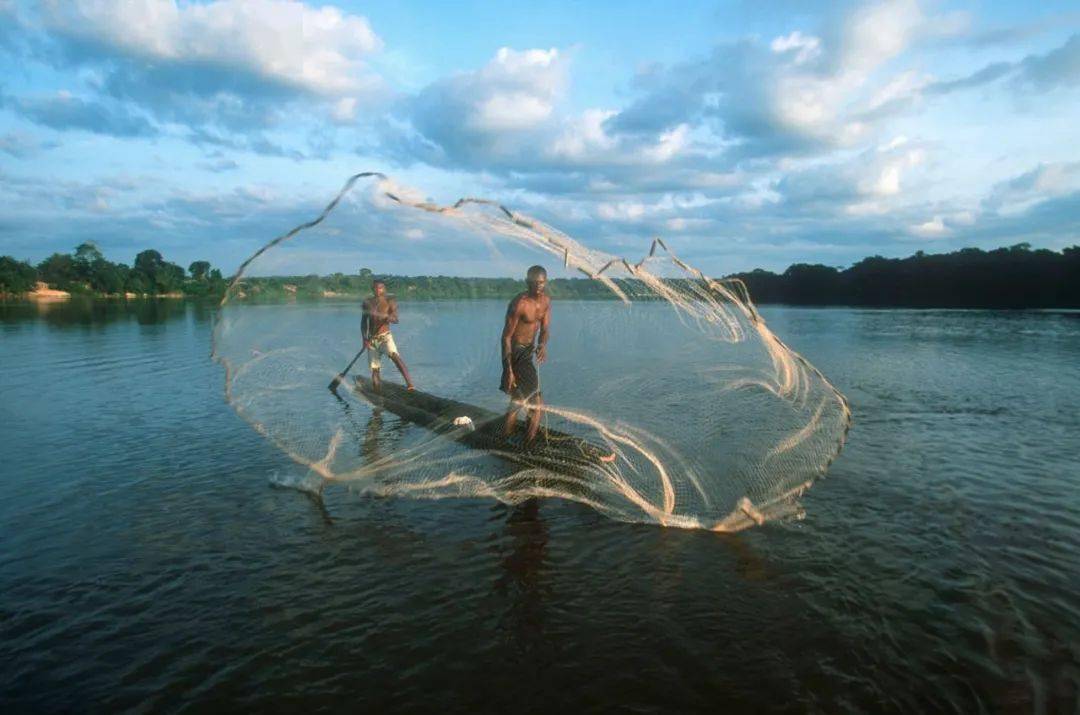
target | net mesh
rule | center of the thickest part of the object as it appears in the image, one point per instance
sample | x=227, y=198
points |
x=712, y=421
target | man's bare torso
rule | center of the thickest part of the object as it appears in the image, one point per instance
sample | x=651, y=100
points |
x=381, y=310
x=530, y=316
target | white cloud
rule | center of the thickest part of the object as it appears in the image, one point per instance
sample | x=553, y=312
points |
x=344, y=110
x=492, y=116
x=583, y=136
x=877, y=33
x=802, y=93
x=882, y=177
x=804, y=47
x=1046, y=181
x=906, y=86
x=934, y=228
x=894, y=143
x=516, y=90
x=669, y=144
x=320, y=50
x=513, y=111
x=963, y=218
x=871, y=182
x=621, y=211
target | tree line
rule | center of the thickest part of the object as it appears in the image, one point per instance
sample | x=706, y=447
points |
x=412, y=287
x=87, y=271
x=1013, y=277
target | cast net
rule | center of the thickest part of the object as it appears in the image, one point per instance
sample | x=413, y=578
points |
x=667, y=398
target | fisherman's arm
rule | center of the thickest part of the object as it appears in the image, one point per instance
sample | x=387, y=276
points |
x=392, y=310
x=508, y=335
x=365, y=326
x=545, y=324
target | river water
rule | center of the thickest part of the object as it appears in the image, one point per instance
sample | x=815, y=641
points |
x=150, y=562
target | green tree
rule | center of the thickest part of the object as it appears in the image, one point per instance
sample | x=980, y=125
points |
x=107, y=277
x=16, y=276
x=58, y=270
x=155, y=273
x=199, y=269
x=169, y=277
x=147, y=262
x=87, y=252
x=218, y=284
x=138, y=282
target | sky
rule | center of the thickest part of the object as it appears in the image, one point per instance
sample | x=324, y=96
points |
x=746, y=134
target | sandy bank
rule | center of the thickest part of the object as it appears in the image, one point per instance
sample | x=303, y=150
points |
x=42, y=291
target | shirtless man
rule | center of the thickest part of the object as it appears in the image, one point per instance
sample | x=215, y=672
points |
x=379, y=311
x=527, y=314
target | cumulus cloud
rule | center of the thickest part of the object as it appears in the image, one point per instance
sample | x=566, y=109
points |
x=1036, y=72
x=232, y=64
x=488, y=116
x=799, y=93
x=509, y=119
x=805, y=48
x=859, y=186
x=934, y=228
x=1045, y=181
x=63, y=110
x=320, y=50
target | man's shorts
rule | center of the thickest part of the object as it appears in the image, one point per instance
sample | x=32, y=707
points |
x=526, y=379
x=381, y=344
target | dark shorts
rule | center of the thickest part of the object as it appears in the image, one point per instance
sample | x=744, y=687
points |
x=526, y=381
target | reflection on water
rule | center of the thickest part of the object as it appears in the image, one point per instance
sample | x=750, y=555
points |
x=521, y=581
x=90, y=311
x=369, y=444
x=146, y=563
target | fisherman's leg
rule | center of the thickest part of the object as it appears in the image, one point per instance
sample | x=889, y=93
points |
x=511, y=417
x=536, y=406
x=375, y=363
x=402, y=369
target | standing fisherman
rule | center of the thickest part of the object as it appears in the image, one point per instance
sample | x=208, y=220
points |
x=529, y=313
x=379, y=311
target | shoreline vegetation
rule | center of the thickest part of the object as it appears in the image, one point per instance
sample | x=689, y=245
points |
x=86, y=272
x=1012, y=277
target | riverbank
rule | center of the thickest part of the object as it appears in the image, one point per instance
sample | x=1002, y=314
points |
x=42, y=292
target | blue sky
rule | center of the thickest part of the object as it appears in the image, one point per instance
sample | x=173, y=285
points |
x=747, y=134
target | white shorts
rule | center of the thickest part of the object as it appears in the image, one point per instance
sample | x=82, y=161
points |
x=381, y=344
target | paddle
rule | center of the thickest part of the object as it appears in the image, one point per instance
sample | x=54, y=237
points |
x=341, y=375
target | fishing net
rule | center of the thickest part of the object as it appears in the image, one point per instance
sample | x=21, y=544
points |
x=667, y=398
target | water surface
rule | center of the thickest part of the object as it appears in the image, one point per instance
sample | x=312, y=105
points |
x=148, y=561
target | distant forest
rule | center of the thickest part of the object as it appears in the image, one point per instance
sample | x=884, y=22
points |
x=1013, y=277
x=88, y=272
